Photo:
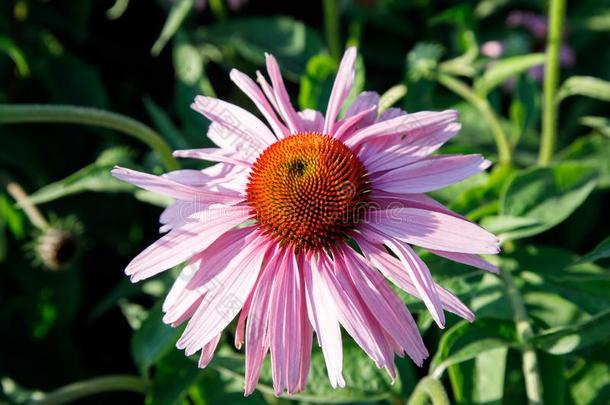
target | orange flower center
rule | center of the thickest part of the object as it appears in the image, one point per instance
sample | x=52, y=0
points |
x=308, y=190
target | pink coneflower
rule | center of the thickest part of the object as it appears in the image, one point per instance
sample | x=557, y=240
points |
x=270, y=230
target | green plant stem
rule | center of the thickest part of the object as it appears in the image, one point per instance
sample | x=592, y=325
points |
x=551, y=78
x=81, y=389
x=35, y=113
x=429, y=387
x=482, y=105
x=331, y=27
x=531, y=372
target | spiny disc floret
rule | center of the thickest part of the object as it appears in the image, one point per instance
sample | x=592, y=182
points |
x=307, y=190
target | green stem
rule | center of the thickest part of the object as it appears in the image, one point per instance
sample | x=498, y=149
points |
x=531, y=372
x=481, y=104
x=551, y=78
x=35, y=113
x=331, y=27
x=431, y=388
x=81, y=389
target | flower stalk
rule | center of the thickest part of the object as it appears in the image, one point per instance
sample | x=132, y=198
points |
x=531, y=372
x=30, y=210
x=331, y=27
x=551, y=79
x=481, y=104
x=37, y=113
x=431, y=388
x=81, y=389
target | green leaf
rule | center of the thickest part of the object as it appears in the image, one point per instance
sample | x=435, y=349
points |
x=153, y=340
x=587, y=86
x=8, y=47
x=179, y=11
x=503, y=69
x=543, y=197
x=575, y=337
x=289, y=40
x=601, y=251
x=465, y=341
x=188, y=62
x=599, y=124
x=164, y=125
x=590, y=383
x=363, y=380
x=94, y=177
x=592, y=150
x=525, y=107
x=553, y=375
x=174, y=375
x=317, y=82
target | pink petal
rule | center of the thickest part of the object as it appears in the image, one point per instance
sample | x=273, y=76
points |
x=207, y=353
x=213, y=155
x=346, y=126
x=366, y=101
x=431, y=173
x=284, y=105
x=469, y=259
x=409, y=125
x=388, y=201
x=289, y=351
x=355, y=317
x=178, y=288
x=417, y=270
x=341, y=88
x=236, y=128
x=391, y=113
x=394, y=271
x=222, y=304
x=324, y=318
x=201, y=230
x=249, y=87
x=267, y=90
x=257, y=330
x=387, y=308
x=433, y=230
x=312, y=120
x=170, y=188
x=411, y=150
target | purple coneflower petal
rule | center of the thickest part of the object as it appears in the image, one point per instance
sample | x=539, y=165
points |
x=235, y=128
x=284, y=105
x=249, y=87
x=199, y=231
x=341, y=88
x=431, y=173
x=323, y=317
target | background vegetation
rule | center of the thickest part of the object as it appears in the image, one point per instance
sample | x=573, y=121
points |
x=72, y=324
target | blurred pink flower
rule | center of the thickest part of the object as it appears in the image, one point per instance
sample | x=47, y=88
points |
x=492, y=49
x=265, y=231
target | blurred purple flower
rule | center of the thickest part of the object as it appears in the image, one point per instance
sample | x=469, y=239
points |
x=537, y=25
x=534, y=23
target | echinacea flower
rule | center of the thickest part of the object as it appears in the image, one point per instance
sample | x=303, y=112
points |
x=270, y=231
